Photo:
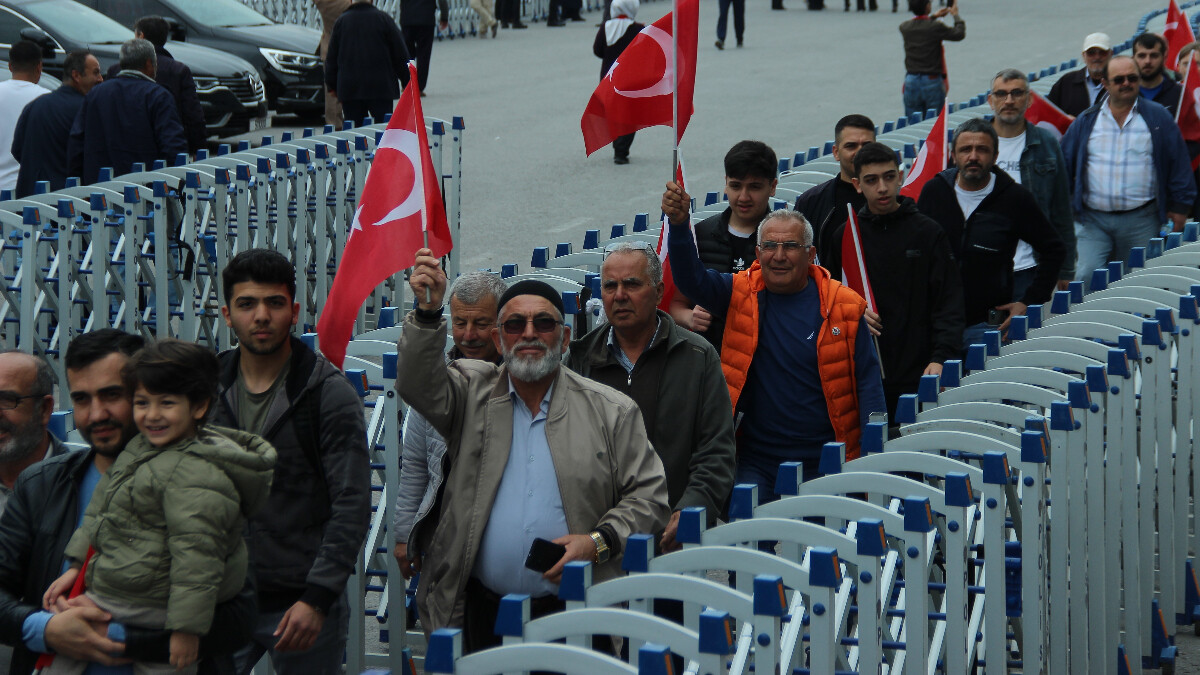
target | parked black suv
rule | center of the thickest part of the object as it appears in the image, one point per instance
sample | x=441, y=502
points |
x=230, y=91
x=285, y=54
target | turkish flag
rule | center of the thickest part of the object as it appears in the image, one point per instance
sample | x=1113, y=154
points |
x=1188, y=114
x=668, y=280
x=854, y=267
x=931, y=159
x=401, y=201
x=1045, y=114
x=637, y=91
x=1177, y=32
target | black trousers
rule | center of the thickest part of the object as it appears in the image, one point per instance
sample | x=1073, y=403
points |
x=420, y=47
x=355, y=110
x=621, y=145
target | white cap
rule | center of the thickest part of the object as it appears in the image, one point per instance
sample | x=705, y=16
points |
x=1100, y=40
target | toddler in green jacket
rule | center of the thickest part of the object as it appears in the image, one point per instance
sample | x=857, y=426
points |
x=166, y=520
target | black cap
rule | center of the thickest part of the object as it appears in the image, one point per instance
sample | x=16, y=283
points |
x=533, y=287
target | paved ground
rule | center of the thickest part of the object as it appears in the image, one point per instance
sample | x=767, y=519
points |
x=528, y=183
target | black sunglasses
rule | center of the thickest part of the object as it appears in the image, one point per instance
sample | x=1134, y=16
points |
x=543, y=324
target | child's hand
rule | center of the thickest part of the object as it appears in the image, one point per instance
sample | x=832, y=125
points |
x=185, y=647
x=59, y=589
x=81, y=600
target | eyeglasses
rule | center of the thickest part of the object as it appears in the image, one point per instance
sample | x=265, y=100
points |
x=1122, y=79
x=1001, y=95
x=623, y=246
x=788, y=246
x=515, y=325
x=11, y=401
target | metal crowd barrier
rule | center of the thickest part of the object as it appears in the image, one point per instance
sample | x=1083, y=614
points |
x=144, y=251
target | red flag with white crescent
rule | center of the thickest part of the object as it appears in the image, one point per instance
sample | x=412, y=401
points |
x=1041, y=112
x=1177, y=32
x=931, y=159
x=637, y=91
x=854, y=266
x=1187, y=116
x=401, y=201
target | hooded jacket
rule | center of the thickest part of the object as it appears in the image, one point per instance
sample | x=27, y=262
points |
x=307, y=539
x=167, y=523
x=984, y=244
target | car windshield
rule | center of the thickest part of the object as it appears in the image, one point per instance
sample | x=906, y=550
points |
x=224, y=13
x=76, y=23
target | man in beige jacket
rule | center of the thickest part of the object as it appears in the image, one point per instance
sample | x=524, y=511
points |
x=534, y=451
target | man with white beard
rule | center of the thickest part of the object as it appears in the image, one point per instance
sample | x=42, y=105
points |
x=26, y=402
x=534, y=452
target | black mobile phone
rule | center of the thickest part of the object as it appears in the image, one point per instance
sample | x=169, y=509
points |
x=543, y=555
x=996, y=317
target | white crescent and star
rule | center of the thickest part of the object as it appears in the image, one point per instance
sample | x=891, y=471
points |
x=664, y=86
x=408, y=144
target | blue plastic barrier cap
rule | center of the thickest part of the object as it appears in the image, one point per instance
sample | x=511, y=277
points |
x=833, y=456
x=358, y=379
x=387, y=317
x=1174, y=240
x=512, y=615
x=1191, y=231
x=618, y=230
x=991, y=339
x=1151, y=333
x=692, y=522
x=360, y=143
x=927, y=389
x=788, y=479
x=716, y=632
x=343, y=147
x=591, y=239
x=906, y=409
x=97, y=202
x=976, y=357
x=1129, y=342
x=918, y=516
x=242, y=172
x=952, y=372
x=1099, y=280
x=958, y=490
x=1166, y=319
x=823, y=567
x=576, y=579
x=1075, y=288
x=873, y=437
x=58, y=424
x=221, y=176
x=31, y=216
x=1097, y=379
x=130, y=194
x=641, y=222
x=639, y=548
x=243, y=146
x=654, y=660
x=1188, y=309
x=1037, y=423
x=389, y=365
x=1115, y=269
x=310, y=340
x=1154, y=248
x=871, y=538
x=1078, y=395
x=1137, y=257
x=995, y=468
x=508, y=270
x=445, y=647
x=1034, y=314
x=541, y=255
x=769, y=597
x=1118, y=363
x=562, y=248
x=1033, y=447
x=66, y=208
x=742, y=501
x=570, y=302
x=1061, y=417
x=1018, y=328
x=159, y=188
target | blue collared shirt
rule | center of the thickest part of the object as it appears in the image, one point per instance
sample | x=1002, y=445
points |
x=615, y=347
x=528, y=505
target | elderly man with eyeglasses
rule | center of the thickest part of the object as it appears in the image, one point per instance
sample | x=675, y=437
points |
x=26, y=402
x=534, y=452
x=797, y=354
x=1130, y=171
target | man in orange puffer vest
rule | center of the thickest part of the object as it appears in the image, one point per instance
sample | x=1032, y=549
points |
x=798, y=374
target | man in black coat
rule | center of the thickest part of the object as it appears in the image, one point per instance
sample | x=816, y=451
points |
x=1079, y=89
x=1149, y=52
x=366, y=59
x=417, y=23
x=44, y=510
x=40, y=139
x=914, y=279
x=127, y=119
x=824, y=205
x=175, y=77
x=985, y=213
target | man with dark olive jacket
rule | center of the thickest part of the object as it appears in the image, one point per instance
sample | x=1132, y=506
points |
x=45, y=509
x=306, y=540
x=913, y=276
x=365, y=60
x=985, y=213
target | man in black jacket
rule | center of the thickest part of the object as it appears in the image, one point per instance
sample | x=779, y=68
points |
x=824, y=205
x=1079, y=89
x=306, y=540
x=725, y=241
x=1149, y=52
x=985, y=213
x=417, y=23
x=366, y=59
x=45, y=509
x=912, y=272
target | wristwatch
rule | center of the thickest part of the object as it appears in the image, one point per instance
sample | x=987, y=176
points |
x=602, y=551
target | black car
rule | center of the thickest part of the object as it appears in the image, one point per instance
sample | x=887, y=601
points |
x=285, y=55
x=231, y=93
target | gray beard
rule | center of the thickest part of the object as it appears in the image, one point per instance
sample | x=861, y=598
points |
x=22, y=443
x=527, y=369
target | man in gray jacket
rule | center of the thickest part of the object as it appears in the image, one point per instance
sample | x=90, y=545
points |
x=544, y=454
x=473, y=301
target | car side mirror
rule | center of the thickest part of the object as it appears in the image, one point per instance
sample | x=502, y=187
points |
x=175, y=29
x=39, y=37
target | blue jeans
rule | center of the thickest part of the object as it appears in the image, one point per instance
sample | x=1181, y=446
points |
x=1101, y=236
x=325, y=657
x=739, y=18
x=922, y=92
